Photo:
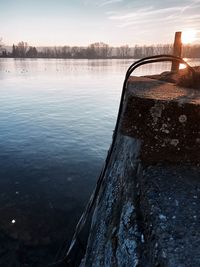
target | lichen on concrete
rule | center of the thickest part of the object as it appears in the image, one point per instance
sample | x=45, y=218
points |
x=147, y=211
x=114, y=232
x=127, y=245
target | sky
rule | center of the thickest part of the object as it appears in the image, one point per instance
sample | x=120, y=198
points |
x=81, y=22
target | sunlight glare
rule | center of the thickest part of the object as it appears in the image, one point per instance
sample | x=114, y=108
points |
x=182, y=66
x=188, y=36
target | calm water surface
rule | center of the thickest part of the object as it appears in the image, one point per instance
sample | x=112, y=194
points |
x=56, y=123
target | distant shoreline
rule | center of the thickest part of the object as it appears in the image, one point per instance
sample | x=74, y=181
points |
x=67, y=57
x=97, y=50
x=81, y=58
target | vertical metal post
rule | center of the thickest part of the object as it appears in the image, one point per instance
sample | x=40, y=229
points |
x=177, y=51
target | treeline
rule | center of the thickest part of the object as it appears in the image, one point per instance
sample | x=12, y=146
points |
x=96, y=51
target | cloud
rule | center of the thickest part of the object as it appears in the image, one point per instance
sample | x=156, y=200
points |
x=109, y=2
x=101, y=3
x=154, y=15
x=111, y=13
x=136, y=15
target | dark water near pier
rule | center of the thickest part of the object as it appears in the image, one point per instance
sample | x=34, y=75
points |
x=56, y=123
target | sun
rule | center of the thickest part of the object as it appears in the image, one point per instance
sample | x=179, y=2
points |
x=188, y=36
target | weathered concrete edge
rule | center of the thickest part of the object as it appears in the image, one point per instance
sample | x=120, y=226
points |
x=114, y=236
x=164, y=234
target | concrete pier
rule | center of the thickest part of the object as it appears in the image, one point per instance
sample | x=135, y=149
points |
x=147, y=212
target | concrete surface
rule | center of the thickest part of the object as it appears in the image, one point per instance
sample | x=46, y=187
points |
x=147, y=212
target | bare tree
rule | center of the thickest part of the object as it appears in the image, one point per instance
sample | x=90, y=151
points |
x=1, y=43
x=66, y=52
x=98, y=50
x=22, y=49
x=123, y=51
x=32, y=52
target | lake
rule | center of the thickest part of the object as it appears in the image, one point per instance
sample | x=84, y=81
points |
x=56, y=123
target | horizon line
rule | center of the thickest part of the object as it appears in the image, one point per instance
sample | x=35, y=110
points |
x=83, y=46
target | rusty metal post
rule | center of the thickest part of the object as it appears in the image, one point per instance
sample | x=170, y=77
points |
x=177, y=51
